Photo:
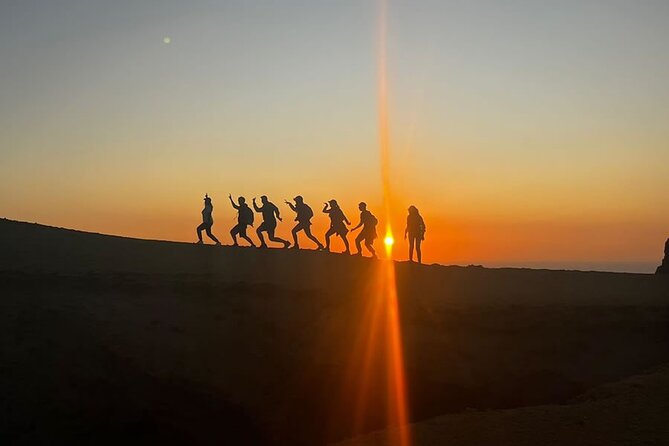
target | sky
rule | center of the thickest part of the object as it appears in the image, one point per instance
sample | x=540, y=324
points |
x=527, y=133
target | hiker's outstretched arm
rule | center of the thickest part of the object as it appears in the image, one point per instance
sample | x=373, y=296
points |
x=232, y=202
x=255, y=206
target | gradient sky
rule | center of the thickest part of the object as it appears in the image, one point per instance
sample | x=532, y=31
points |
x=527, y=133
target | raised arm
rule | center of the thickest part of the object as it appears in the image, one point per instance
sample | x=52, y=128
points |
x=233, y=203
x=292, y=207
x=255, y=206
x=325, y=209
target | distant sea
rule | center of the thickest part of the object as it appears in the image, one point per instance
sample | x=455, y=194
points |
x=618, y=267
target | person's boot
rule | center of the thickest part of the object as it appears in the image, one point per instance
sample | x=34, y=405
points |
x=286, y=244
x=199, y=242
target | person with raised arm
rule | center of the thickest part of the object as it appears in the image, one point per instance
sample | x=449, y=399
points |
x=207, y=221
x=303, y=217
x=338, y=223
x=270, y=213
x=244, y=219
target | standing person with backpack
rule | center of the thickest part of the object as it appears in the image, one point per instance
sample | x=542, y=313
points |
x=303, y=219
x=207, y=221
x=416, y=231
x=368, y=223
x=244, y=219
x=338, y=223
x=270, y=213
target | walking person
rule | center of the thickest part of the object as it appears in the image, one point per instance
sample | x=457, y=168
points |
x=303, y=219
x=415, y=230
x=270, y=213
x=207, y=221
x=244, y=219
x=368, y=234
x=338, y=223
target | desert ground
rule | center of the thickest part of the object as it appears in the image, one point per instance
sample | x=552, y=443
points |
x=109, y=340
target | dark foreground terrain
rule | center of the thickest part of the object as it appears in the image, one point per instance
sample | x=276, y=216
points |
x=108, y=340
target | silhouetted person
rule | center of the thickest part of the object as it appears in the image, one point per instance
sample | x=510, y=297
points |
x=207, y=221
x=338, y=223
x=244, y=219
x=270, y=213
x=416, y=231
x=368, y=223
x=303, y=219
x=664, y=267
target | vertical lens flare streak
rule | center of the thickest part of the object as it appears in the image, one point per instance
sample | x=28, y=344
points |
x=397, y=399
x=374, y=378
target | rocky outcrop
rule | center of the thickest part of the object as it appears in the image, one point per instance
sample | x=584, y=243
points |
x=664, y=268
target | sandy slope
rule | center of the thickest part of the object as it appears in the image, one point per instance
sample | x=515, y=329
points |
x=634, y=411
x=119, y=340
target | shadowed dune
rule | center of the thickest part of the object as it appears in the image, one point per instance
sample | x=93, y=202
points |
x=110, y=339
x=632, y=412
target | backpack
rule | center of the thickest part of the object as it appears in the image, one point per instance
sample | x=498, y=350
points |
x=246, y=215
x=373, y=220
x=308, y=213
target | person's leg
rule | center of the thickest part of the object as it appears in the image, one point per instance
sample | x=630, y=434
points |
x=307, y=231
x=259, y=231
x=418, y=253
x=411, y=242
x=274, y=238
x=233, y=232
x=370, y=246
x=242, y=234
x=295, y=230
x=358, y=241
x=328, y=234
x=345, y=240
x=212, y=236
x=199, y=232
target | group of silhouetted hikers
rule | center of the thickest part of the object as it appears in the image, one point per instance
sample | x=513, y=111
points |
x=414, y=232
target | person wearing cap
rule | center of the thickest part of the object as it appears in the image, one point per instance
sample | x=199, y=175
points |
x=270, y=213
x=207, y=221
x=368, y=223
x=303, y=217
x=338, y=223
